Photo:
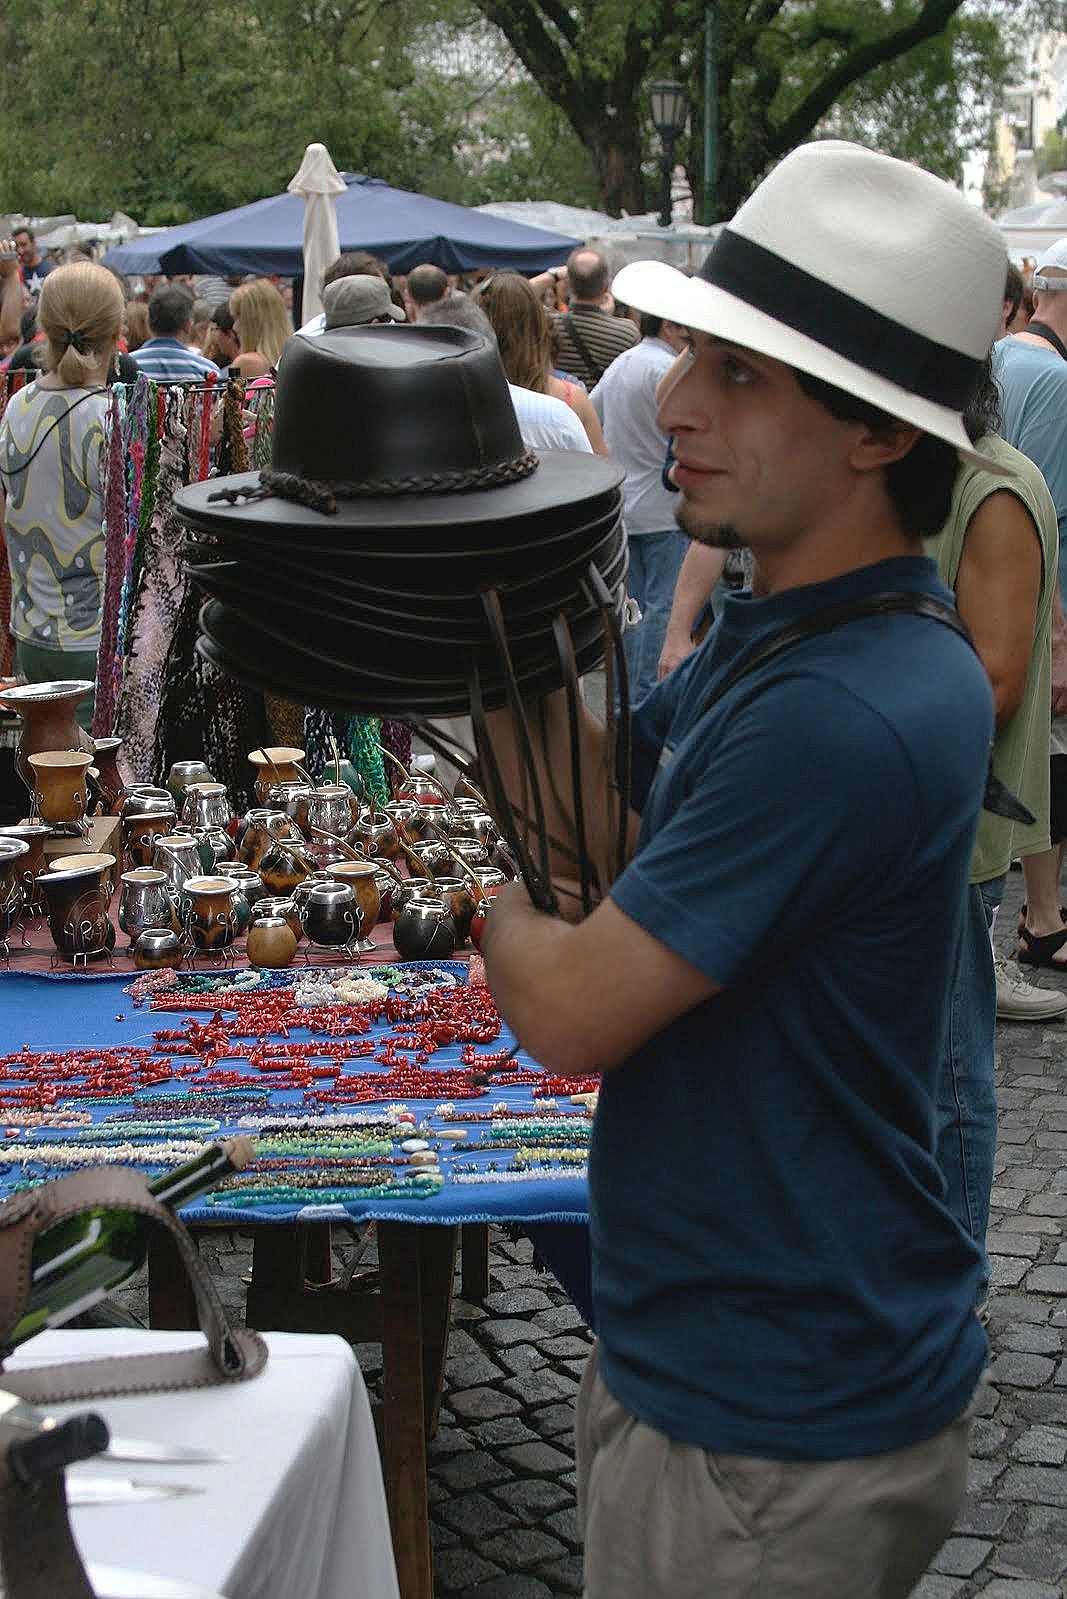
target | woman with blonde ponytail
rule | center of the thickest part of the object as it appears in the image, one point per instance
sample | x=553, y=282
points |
x=51, y=471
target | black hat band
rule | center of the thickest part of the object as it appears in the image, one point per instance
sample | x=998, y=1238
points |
x=324, y=496
x=852, y=330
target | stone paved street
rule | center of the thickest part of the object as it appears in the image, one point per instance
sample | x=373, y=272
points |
x=502, y=1467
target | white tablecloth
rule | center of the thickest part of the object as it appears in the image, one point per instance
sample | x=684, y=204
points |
x=299, y=1514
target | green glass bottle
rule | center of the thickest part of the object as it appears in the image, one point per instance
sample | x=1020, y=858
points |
x=79, y=1261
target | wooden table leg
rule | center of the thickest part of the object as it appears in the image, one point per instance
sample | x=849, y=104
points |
x=403, y=1424
x=437, y=1269
x=170, y=1296
x=474, y=1261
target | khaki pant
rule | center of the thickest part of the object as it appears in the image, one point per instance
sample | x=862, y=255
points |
x=665, y=1520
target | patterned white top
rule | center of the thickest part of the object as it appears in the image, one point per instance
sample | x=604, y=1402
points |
x=51, y=471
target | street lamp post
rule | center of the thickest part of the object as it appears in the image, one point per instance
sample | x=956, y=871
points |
x=670, y=109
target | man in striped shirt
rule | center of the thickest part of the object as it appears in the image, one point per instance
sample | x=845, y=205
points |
x=168, y=357
x=590, y=337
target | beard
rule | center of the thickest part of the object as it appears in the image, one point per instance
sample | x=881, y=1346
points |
x=703, y=530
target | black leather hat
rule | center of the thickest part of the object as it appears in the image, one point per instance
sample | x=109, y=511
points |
x=393, y=426
x=354, y=572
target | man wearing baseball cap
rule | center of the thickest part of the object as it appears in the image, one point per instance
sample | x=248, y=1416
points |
x=777, y=1406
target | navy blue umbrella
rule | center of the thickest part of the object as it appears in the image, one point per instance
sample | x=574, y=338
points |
x=403, y=229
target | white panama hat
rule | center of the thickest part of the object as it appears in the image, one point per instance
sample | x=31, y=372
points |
x=857, y=268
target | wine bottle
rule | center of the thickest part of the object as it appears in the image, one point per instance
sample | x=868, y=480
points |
x=79, y=1261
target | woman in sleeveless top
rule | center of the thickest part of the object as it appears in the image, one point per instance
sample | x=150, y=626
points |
x=522, y=327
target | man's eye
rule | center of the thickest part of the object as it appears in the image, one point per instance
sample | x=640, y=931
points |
x=736, y=370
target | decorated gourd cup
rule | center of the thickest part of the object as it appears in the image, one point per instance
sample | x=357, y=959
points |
x=211, y=917
x=271, y=942
x=424, y=930
x=60, y=793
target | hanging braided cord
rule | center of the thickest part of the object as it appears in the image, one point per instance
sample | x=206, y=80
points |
x=396, y=737
x=361, y=739
x=7, y=642
x=109, y=659
x=140, y=407
x=233, y=447
x=323, y=497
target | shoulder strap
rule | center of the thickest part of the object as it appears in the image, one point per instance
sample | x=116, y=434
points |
x=583, y=348
x=887, y=602
x=1049, y=335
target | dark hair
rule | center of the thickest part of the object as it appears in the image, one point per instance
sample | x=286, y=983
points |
x=427, y=284
x=920, y=483
x=587, y=282
x=357, y=263
x=28, y=324
x=1013, y=289
x=27, y=231
x=459, y=311
x=222, y=317
x=983, y=415
x=169, y=309
x=650, y=325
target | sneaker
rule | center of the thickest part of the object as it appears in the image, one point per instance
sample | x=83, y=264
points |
x=1021, y=1001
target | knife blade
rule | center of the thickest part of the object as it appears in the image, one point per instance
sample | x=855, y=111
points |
x=85, y=1490
x=18, y=1413
x=146, y=1451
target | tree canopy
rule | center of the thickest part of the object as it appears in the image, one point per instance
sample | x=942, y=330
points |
x=917, y=77
x=171, y=110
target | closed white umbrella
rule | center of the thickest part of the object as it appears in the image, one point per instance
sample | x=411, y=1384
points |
x=318, y=182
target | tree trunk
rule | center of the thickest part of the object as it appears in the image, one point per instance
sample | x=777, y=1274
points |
x=616, y=154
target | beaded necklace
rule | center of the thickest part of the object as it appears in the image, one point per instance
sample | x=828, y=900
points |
x=230, y=1061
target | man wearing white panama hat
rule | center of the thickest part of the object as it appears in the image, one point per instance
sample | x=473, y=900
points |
x=787, y=1348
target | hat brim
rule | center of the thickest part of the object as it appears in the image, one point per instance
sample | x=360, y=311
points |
x=452, y=618
x=339, y=320
x=562, y=478
x=246, y=652
x=661, y=290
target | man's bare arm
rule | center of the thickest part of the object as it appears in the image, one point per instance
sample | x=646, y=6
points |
x=559, y=986
x=997, y=588
x=700, y=571
x=11, y=295
x=550, y=734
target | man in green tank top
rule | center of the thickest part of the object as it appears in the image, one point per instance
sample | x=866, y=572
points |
x=998, y=553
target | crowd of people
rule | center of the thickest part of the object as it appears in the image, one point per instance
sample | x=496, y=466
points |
x=841, y=470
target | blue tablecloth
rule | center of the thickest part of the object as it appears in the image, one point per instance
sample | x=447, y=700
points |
x=42, y=1012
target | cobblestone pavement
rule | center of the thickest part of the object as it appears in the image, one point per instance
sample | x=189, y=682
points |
x=501, y=1482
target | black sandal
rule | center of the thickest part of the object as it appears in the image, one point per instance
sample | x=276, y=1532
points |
x=1038, y=949
x=1022, y=916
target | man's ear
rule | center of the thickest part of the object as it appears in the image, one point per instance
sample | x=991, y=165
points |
x=878, y=447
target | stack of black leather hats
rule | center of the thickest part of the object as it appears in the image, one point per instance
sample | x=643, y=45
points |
x=353, y=573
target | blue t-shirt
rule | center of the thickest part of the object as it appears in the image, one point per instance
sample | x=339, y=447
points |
x=1032, y=379
x=774, y=1269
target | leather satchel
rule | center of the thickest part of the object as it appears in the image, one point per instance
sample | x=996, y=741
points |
x=229, y=1355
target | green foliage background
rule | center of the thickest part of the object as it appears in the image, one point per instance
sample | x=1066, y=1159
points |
x=171, y=110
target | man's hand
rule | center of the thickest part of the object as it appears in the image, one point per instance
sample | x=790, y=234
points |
x=9, y=260
x=674, y=651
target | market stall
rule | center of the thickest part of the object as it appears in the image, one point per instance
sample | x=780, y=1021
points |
x=369, y=1066
x=384, y=1091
